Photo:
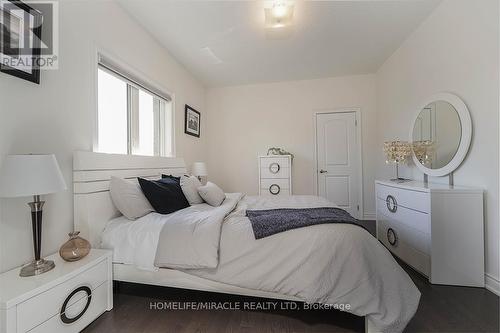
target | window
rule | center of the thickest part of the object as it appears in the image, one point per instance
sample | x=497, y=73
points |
x=132, y=118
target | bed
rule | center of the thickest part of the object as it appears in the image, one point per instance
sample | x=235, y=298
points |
x=326, y=264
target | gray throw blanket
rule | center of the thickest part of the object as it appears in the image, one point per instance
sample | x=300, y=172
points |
x=272, y=221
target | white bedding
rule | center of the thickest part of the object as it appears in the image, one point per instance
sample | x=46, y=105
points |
x=330, y=263
x=198, y=226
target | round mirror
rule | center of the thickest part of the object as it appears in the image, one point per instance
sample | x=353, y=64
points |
x=441, y=134
x=436, y=134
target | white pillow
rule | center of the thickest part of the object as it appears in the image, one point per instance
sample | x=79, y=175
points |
x=212, y=194
x=189, y=186
x=128, y=198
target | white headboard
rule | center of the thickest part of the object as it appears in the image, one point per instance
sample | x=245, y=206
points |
x=91, y=174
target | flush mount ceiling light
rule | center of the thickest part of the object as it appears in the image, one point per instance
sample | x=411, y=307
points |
x=278, y=14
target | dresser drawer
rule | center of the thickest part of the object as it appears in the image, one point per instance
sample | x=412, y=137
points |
x=418, y=240
x=407, y=198
x=38, y=309
x=411, y=218
x=402, y=249
x=283, y=162
x=266, y=192
x=282, y=183
x=274, y=187
x=281, y=172
x=97, y=306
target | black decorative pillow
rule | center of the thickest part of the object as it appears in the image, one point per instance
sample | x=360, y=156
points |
x=164, y=195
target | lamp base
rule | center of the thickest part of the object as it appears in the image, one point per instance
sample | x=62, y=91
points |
x=37, y=267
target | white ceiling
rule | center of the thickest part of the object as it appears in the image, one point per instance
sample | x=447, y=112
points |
x=224, y=42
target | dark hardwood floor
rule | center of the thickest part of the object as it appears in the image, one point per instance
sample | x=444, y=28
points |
x=441, y=309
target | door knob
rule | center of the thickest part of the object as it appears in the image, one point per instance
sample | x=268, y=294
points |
x=322, y=171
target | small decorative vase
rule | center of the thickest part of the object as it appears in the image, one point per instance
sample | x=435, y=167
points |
x=75, y=248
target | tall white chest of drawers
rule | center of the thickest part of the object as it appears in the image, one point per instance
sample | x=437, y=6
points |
x=275, y=175
x=437, y=229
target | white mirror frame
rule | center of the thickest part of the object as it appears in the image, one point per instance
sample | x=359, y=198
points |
x=465, y=140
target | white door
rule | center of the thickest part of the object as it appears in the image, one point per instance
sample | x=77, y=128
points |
x=338, y=160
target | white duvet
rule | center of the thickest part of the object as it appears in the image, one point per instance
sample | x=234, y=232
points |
x=336, y=264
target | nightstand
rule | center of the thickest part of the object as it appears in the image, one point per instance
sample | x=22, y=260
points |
x=65, y=299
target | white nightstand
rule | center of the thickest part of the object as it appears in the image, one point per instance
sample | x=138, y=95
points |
x=66, y=299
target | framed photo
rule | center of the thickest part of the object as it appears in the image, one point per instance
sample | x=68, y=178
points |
x=20, y=40
x=192, y=120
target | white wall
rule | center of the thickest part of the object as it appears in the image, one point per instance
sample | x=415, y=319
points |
x=244, y=121
x=454, y=50
x=58, y=115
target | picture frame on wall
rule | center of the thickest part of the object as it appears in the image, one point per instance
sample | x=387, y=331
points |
x=192, y=121
x=20, y=40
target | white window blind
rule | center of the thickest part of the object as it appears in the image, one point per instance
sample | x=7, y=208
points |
x=110, y=65
x=133, y=116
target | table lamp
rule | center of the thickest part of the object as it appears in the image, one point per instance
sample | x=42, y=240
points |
x=32, y=175
x=397, y=152
x=199, y=170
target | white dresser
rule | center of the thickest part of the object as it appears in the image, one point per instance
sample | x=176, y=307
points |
x=437, y=229
x=275, y=175
x=65, y=299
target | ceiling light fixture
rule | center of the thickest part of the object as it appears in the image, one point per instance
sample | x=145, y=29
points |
x=278, y=14
x=279, y=10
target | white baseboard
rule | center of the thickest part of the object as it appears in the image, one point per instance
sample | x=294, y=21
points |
x=492, y=284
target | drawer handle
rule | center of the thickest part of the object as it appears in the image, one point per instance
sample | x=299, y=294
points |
x=392, y=237
x=392, y=204
x=274, y=189
x=274, y=168
x=62, y=313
